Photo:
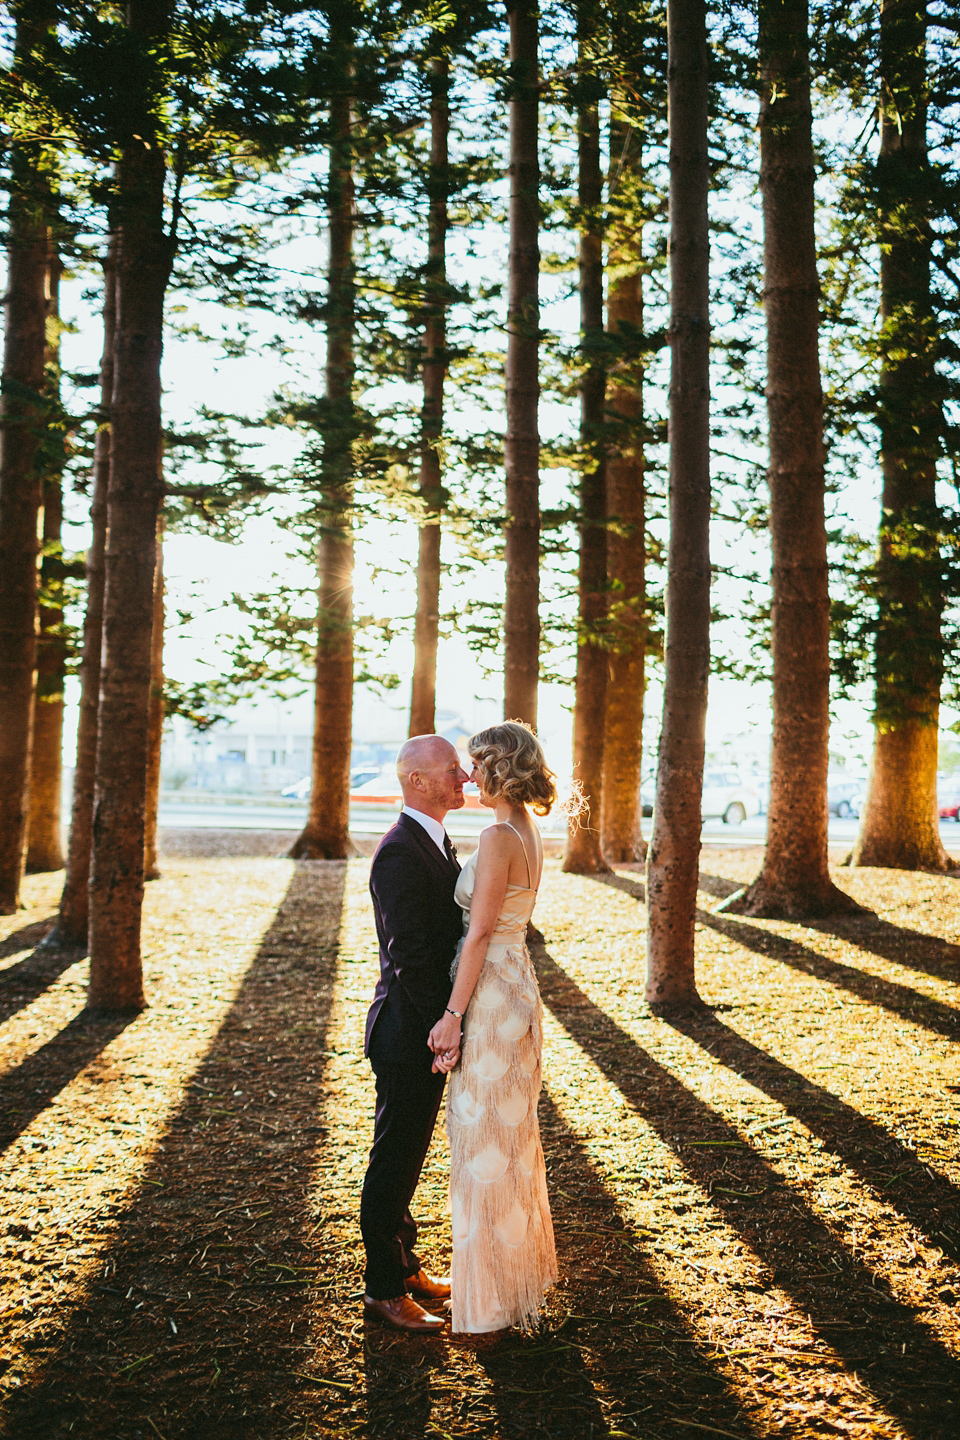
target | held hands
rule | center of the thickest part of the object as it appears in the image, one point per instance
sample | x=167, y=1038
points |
x=444, y=1041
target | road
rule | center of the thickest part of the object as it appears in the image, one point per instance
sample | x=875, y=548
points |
x=369, y=820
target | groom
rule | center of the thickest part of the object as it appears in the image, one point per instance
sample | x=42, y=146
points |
x=412, y=880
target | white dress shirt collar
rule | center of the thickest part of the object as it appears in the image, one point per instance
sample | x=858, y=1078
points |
x=433, y=827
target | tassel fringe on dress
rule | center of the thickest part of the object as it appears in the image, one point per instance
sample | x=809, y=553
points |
x=504, y=1257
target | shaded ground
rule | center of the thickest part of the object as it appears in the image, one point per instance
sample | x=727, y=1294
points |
x=757, y=1208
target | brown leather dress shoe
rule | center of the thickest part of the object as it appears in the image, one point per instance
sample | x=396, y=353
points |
x=431, y=1287
x=403, y=1314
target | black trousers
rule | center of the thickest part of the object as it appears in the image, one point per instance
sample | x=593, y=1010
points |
x=408, y=1101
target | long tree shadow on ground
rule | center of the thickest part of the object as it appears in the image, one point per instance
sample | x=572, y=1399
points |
x=852, y=1308
x=26, y=938
x=26, y=980
x=29, y=1088
x=899, y=999
x=911, y=948
x=927, y=1200
x=192, y=1331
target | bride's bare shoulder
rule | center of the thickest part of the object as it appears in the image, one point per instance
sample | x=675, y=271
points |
x=498, y=842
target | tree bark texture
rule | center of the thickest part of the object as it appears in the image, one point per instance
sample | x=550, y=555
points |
x=900, y=822
x=583, y=854
x=133, y=502
x=44, y=845
x=626, y=534
x=155, y=717
x=72, y=922
x=326, y=834
x=427, y=624
x=22, y=413
x=521, y=660
x=795, y=879
x=672, y=862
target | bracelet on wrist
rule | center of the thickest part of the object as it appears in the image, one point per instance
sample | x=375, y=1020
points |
x=455, y=1013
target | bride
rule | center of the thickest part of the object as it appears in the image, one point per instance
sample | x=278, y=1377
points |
x=490, y=1038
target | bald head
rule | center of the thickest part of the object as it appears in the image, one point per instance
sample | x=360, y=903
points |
x=430, y=776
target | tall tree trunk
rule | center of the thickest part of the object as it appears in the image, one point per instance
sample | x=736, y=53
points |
x=672, y=863
x=151, y=864
x=22, y=411
x=44, y=847
x=427, y=625
x=521, y=659
x=900, y=823
x=795, y=879
x=626, y=534
x=582, y=854
x=326, y=834
x=133, y=502
x=72, y=923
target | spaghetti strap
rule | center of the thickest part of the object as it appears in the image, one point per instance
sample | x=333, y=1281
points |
x=524, y=849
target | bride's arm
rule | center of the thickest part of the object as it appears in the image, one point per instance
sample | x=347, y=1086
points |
x=490, y=886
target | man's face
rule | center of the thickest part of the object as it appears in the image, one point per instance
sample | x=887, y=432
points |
x=442, y=782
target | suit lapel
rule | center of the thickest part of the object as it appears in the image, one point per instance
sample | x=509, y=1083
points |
x=431, y=850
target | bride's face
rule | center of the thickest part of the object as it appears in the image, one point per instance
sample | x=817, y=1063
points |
x=476, y=778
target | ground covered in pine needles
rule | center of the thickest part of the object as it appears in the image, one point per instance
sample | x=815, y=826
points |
x=757, y=1207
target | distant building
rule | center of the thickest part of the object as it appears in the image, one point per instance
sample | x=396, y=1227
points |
x=264, y=746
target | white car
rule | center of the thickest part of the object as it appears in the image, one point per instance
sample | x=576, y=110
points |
x=299, y=790
x=382, y=791
x=726, y=796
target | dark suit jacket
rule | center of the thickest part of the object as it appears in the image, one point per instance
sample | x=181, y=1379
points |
x=418, y=925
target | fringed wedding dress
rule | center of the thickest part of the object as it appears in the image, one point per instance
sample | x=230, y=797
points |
x=503, y=1249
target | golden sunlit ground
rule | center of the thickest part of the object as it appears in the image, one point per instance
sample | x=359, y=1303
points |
x=757, y=1208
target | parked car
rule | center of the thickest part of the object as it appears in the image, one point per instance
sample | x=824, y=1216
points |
x=299, y=790
x=380, y=790
x=857, y=801
x=841, y=793
x=761, y=783
x=725, y=795
x=360, y=774
x=948, y=799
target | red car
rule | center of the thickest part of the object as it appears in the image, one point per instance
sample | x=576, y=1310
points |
x=948, y=801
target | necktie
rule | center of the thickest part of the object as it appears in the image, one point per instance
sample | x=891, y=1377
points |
x=448, y=849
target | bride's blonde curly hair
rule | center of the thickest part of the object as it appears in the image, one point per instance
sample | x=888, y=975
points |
x=512, y=764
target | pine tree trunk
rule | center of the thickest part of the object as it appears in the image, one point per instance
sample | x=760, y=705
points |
x=795, y=879
x=521, y=660
x=427, y=625
x=44, y=846
x=900, y=822
x=326, y=834
x=582, y=854
x=626, y=534
x=133, y=503
x=71, y=927
x=151, y=864
x=672, y=862
x=22, y=413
